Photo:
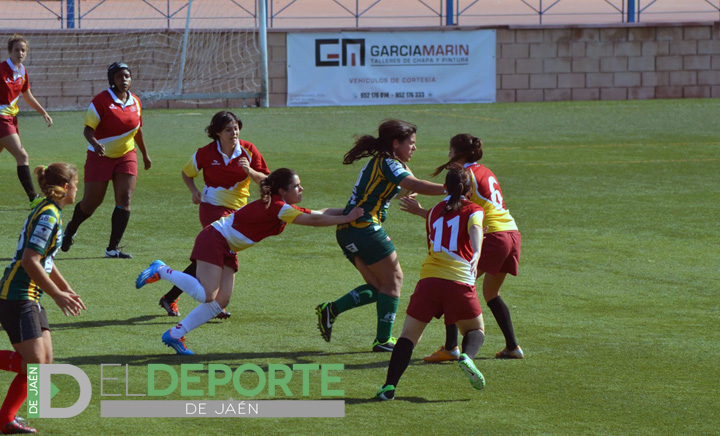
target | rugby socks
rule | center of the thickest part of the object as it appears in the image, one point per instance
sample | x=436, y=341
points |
x=399, y=361
x=359, y=296
x=451, y=334
x=502, y=316
x=189, y=284
x=120, y=218
x=79, y=216
x=11, y=361
x=175, y=291
x=197, y=317
x=17, y=393
x=23, y=173
x=387, y=307
x=472, y=341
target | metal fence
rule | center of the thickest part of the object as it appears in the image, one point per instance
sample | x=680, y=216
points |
x=292, y=14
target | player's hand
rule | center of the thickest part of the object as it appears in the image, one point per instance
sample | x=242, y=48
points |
x=48, y=119
x=147, y=162
x=99, y=149
x=197, y=197
x=70, y=304
x=245, y=164
x=474, y=264
x=411, y=205
x=356, y=213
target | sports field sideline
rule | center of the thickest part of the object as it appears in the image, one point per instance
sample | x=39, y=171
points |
x=616, y=304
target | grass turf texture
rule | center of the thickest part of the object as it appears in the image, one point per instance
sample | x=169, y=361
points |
x=616, y=305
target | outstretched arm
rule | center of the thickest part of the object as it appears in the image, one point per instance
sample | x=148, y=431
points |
x=422, y=186
x=327, y=217
x=411, y=205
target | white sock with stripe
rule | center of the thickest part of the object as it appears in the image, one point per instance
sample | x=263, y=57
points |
x=189, y=284
x=197, y=317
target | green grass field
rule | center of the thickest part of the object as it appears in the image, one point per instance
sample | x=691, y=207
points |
x=616, y=304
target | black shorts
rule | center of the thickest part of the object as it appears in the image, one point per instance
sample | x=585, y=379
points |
x=23, y=320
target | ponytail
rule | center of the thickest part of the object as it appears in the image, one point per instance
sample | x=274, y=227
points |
x=466, y=148
x=388, y=131
x=279, y=179
x=52, y=179
x=458, y=184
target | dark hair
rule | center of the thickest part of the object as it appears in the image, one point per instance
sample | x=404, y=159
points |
x=219, y=121
x=465, y=147
x=113, y=69
x=51, y=179
x=279, y=179
x=388, y=131
x=457, y=184
x=16, y=38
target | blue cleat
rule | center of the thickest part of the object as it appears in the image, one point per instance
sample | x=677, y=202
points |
x=176, y=344
x=149, y=274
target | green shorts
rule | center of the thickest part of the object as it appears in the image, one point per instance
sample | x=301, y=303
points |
x=371, y=243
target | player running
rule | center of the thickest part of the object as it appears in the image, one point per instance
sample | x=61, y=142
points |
x=447, y=282
x=216, y=245
x=364, y=241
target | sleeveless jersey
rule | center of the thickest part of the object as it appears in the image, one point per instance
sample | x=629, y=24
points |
x=42, y=232
x=449, y=248
x=486, y=192
x=376, y=185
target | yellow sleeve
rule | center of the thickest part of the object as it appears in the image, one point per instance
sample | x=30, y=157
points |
x=92, y=119
x=190, y=169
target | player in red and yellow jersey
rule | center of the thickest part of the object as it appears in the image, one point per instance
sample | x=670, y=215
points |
x=447, y=281
x=31, y=274
x=113, y=125
x=227, y=165
x=501, y=249
x=216, y=245
x=13, y=82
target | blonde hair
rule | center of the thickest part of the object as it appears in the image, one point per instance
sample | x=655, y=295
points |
x=53, y=177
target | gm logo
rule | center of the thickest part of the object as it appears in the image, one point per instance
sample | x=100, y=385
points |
x=328, y=52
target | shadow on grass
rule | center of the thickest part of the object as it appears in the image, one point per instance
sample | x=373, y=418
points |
x=290, y=357
x=416, y=400
x=138, y=320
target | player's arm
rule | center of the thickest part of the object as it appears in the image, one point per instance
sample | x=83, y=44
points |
x=413, y=184
x=194, y=191
x=411, y=205
x=476, y=238
x=255, y=175
x=32, y=101
x=321, y=219
x=69, y=302
x=140, y=141
x=89, y=134
x=332, y=211
x=60, y=281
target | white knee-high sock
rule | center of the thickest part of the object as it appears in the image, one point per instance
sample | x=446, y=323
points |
x=189, y=284
x=197, y=317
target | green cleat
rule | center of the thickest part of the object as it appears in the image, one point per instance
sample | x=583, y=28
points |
x=386, y=393
x=325, y=320
x=473, y=374
x=384, y=347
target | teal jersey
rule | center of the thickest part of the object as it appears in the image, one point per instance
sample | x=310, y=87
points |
x=42, y=232
x=376, y=185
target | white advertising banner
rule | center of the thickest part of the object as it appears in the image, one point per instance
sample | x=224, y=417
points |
x=370, y=68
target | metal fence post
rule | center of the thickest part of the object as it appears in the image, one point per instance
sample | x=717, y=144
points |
x=630, y=11
x=449, y=13
x=70, y=19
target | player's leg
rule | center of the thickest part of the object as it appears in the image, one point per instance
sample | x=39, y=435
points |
x=32, y=351
x=473, y=331
x=14, y=147
x=123, y=187
x=401, y=355
x=491, y=293
x=93, y=196
x=390, y=277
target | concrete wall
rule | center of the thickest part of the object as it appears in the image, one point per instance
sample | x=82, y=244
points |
x=533, y=64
